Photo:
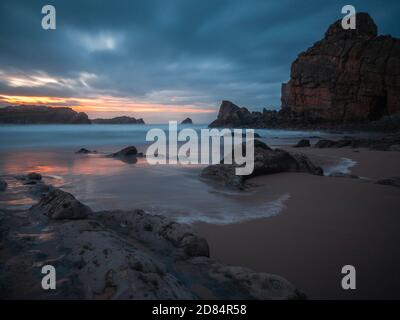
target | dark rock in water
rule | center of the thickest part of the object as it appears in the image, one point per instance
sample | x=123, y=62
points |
x=325, y=144
x=128, y=155
x=343, y=175
x=394, y=181
x=302, y=143
x=85, y=151
x=119, y=120
x=25, y=114
x=34, y=176
x=187, y=121
x=3, y=185
x=59, y=205
x=126, y=152
x=266, y=161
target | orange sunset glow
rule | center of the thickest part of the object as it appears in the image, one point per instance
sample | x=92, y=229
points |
x=104, y=104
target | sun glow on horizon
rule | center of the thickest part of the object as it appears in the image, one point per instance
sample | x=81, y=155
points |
x=105, y=104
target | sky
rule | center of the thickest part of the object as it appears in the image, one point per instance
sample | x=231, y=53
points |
x=163, y=59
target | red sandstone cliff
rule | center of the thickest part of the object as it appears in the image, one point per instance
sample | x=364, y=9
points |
x=349, y=76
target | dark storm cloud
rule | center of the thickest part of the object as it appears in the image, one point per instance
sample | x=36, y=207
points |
x=198, y=52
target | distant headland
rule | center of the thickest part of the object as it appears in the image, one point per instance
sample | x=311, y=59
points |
x=32, y=114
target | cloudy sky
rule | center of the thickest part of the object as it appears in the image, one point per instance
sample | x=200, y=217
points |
x=162, y=59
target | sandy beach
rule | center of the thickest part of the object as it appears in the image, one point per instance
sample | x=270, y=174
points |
x=327, y=223
x=299, y=226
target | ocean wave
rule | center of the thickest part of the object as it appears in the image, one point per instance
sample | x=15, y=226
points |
x=266, y=210
x=343, y=166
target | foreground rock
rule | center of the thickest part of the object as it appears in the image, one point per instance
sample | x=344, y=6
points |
x=119, y=120
x=3, y=185
x=266, y=161
x=59, y=205
x=120, y=255
x=394, y=182
x=25, y=114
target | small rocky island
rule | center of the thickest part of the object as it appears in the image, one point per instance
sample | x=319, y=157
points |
x=119, y=120
x=187, y=121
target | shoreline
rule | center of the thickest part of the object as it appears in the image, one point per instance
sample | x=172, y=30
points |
x=324, y=224
x=327, y=223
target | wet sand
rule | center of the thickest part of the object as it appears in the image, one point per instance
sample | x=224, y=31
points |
x=327, y=223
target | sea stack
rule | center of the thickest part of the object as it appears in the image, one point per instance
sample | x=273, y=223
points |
x=348, y=76
x=187, y=121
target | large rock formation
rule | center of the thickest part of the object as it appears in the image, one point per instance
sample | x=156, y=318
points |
x=26, y=114
x=348, y=76
x=119, y=120
x=266, y=161
x=231, y=116
x=59, y=205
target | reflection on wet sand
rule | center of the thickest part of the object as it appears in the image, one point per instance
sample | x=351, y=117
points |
x=105, y=183
x=56, y=163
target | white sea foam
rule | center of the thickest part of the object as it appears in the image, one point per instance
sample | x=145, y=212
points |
x=343, y=166
x=268, y=209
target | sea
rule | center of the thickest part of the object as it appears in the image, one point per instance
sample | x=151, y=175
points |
x=103, y=183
